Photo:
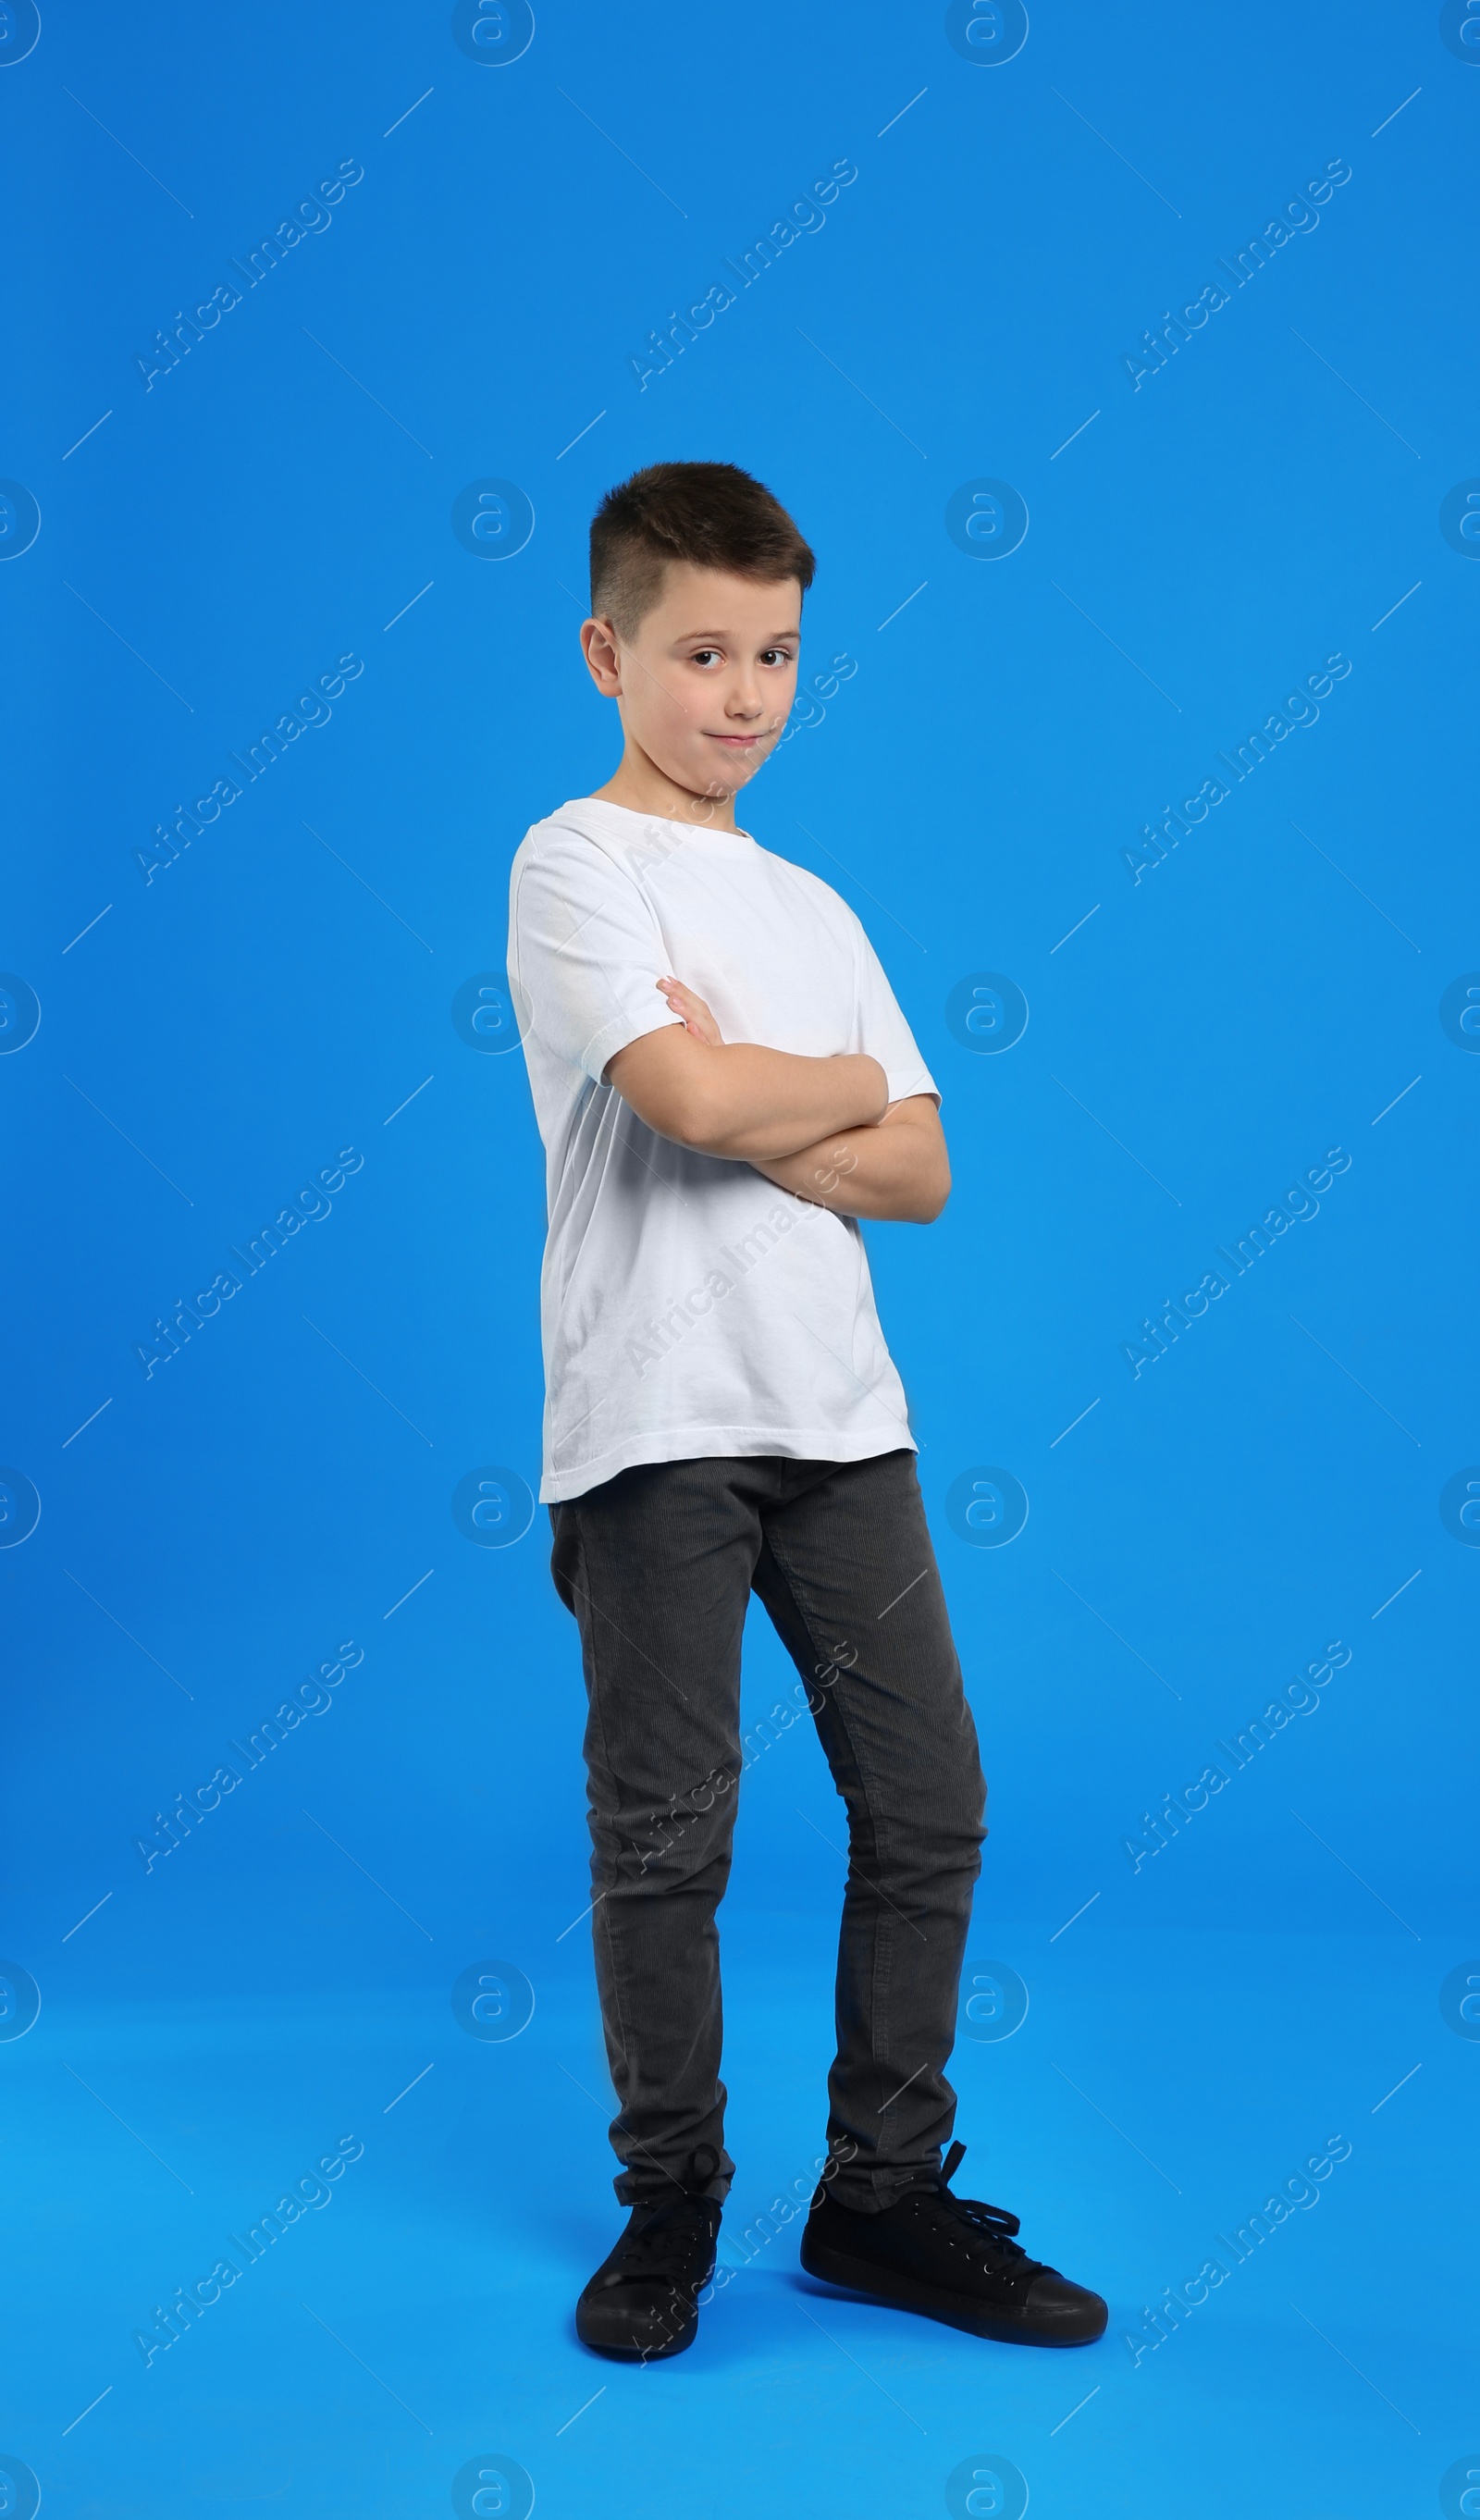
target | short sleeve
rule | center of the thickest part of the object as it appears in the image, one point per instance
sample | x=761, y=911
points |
x=880, y=1030
x=585, y=954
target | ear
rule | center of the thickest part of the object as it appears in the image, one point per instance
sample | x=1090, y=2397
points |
x=598, y=646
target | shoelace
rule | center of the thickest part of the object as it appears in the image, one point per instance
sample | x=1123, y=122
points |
x=664, y=2245
x=990, y=2228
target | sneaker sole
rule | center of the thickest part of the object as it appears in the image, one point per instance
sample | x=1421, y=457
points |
x=640, y=2353
x=616, y=2348
x=854, y=2276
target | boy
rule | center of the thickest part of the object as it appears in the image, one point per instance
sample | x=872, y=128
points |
x=724, y=1085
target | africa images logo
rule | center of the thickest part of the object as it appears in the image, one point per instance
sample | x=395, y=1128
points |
x=986, y=1507
x=20, y=516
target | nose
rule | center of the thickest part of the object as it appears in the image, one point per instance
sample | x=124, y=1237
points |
x=743, y=698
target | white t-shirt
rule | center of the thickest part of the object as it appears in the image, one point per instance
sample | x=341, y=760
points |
x=688, y=1306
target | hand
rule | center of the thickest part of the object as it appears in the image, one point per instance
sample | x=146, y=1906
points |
x=695, y=1014
x=896, y=1167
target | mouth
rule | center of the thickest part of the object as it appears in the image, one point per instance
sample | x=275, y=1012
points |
x=736, y=742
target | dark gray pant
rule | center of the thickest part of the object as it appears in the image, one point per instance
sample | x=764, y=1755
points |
x=657, y=1565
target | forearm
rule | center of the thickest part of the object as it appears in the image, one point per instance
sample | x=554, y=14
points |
x=766, y=1105
x=888, y=1170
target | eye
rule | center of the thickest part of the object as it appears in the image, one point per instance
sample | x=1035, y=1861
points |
x=704, y=656
x=776, y=657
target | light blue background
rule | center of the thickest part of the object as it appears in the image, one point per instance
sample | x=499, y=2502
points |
x=1196, y=1041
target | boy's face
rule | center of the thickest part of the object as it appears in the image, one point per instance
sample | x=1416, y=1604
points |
x=706, y=683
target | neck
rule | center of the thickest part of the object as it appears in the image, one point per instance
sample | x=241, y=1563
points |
x=640, y=786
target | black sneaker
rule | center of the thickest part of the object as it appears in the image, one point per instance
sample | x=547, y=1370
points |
x=952, y=2259
x=643, y=2301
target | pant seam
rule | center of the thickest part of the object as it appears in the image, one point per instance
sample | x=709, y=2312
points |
x=599, y=1886
x=882, y=1978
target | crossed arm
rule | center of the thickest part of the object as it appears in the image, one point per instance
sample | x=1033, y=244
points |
x=822, y=1128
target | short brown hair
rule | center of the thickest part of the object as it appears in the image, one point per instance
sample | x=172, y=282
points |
x=712, y=515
